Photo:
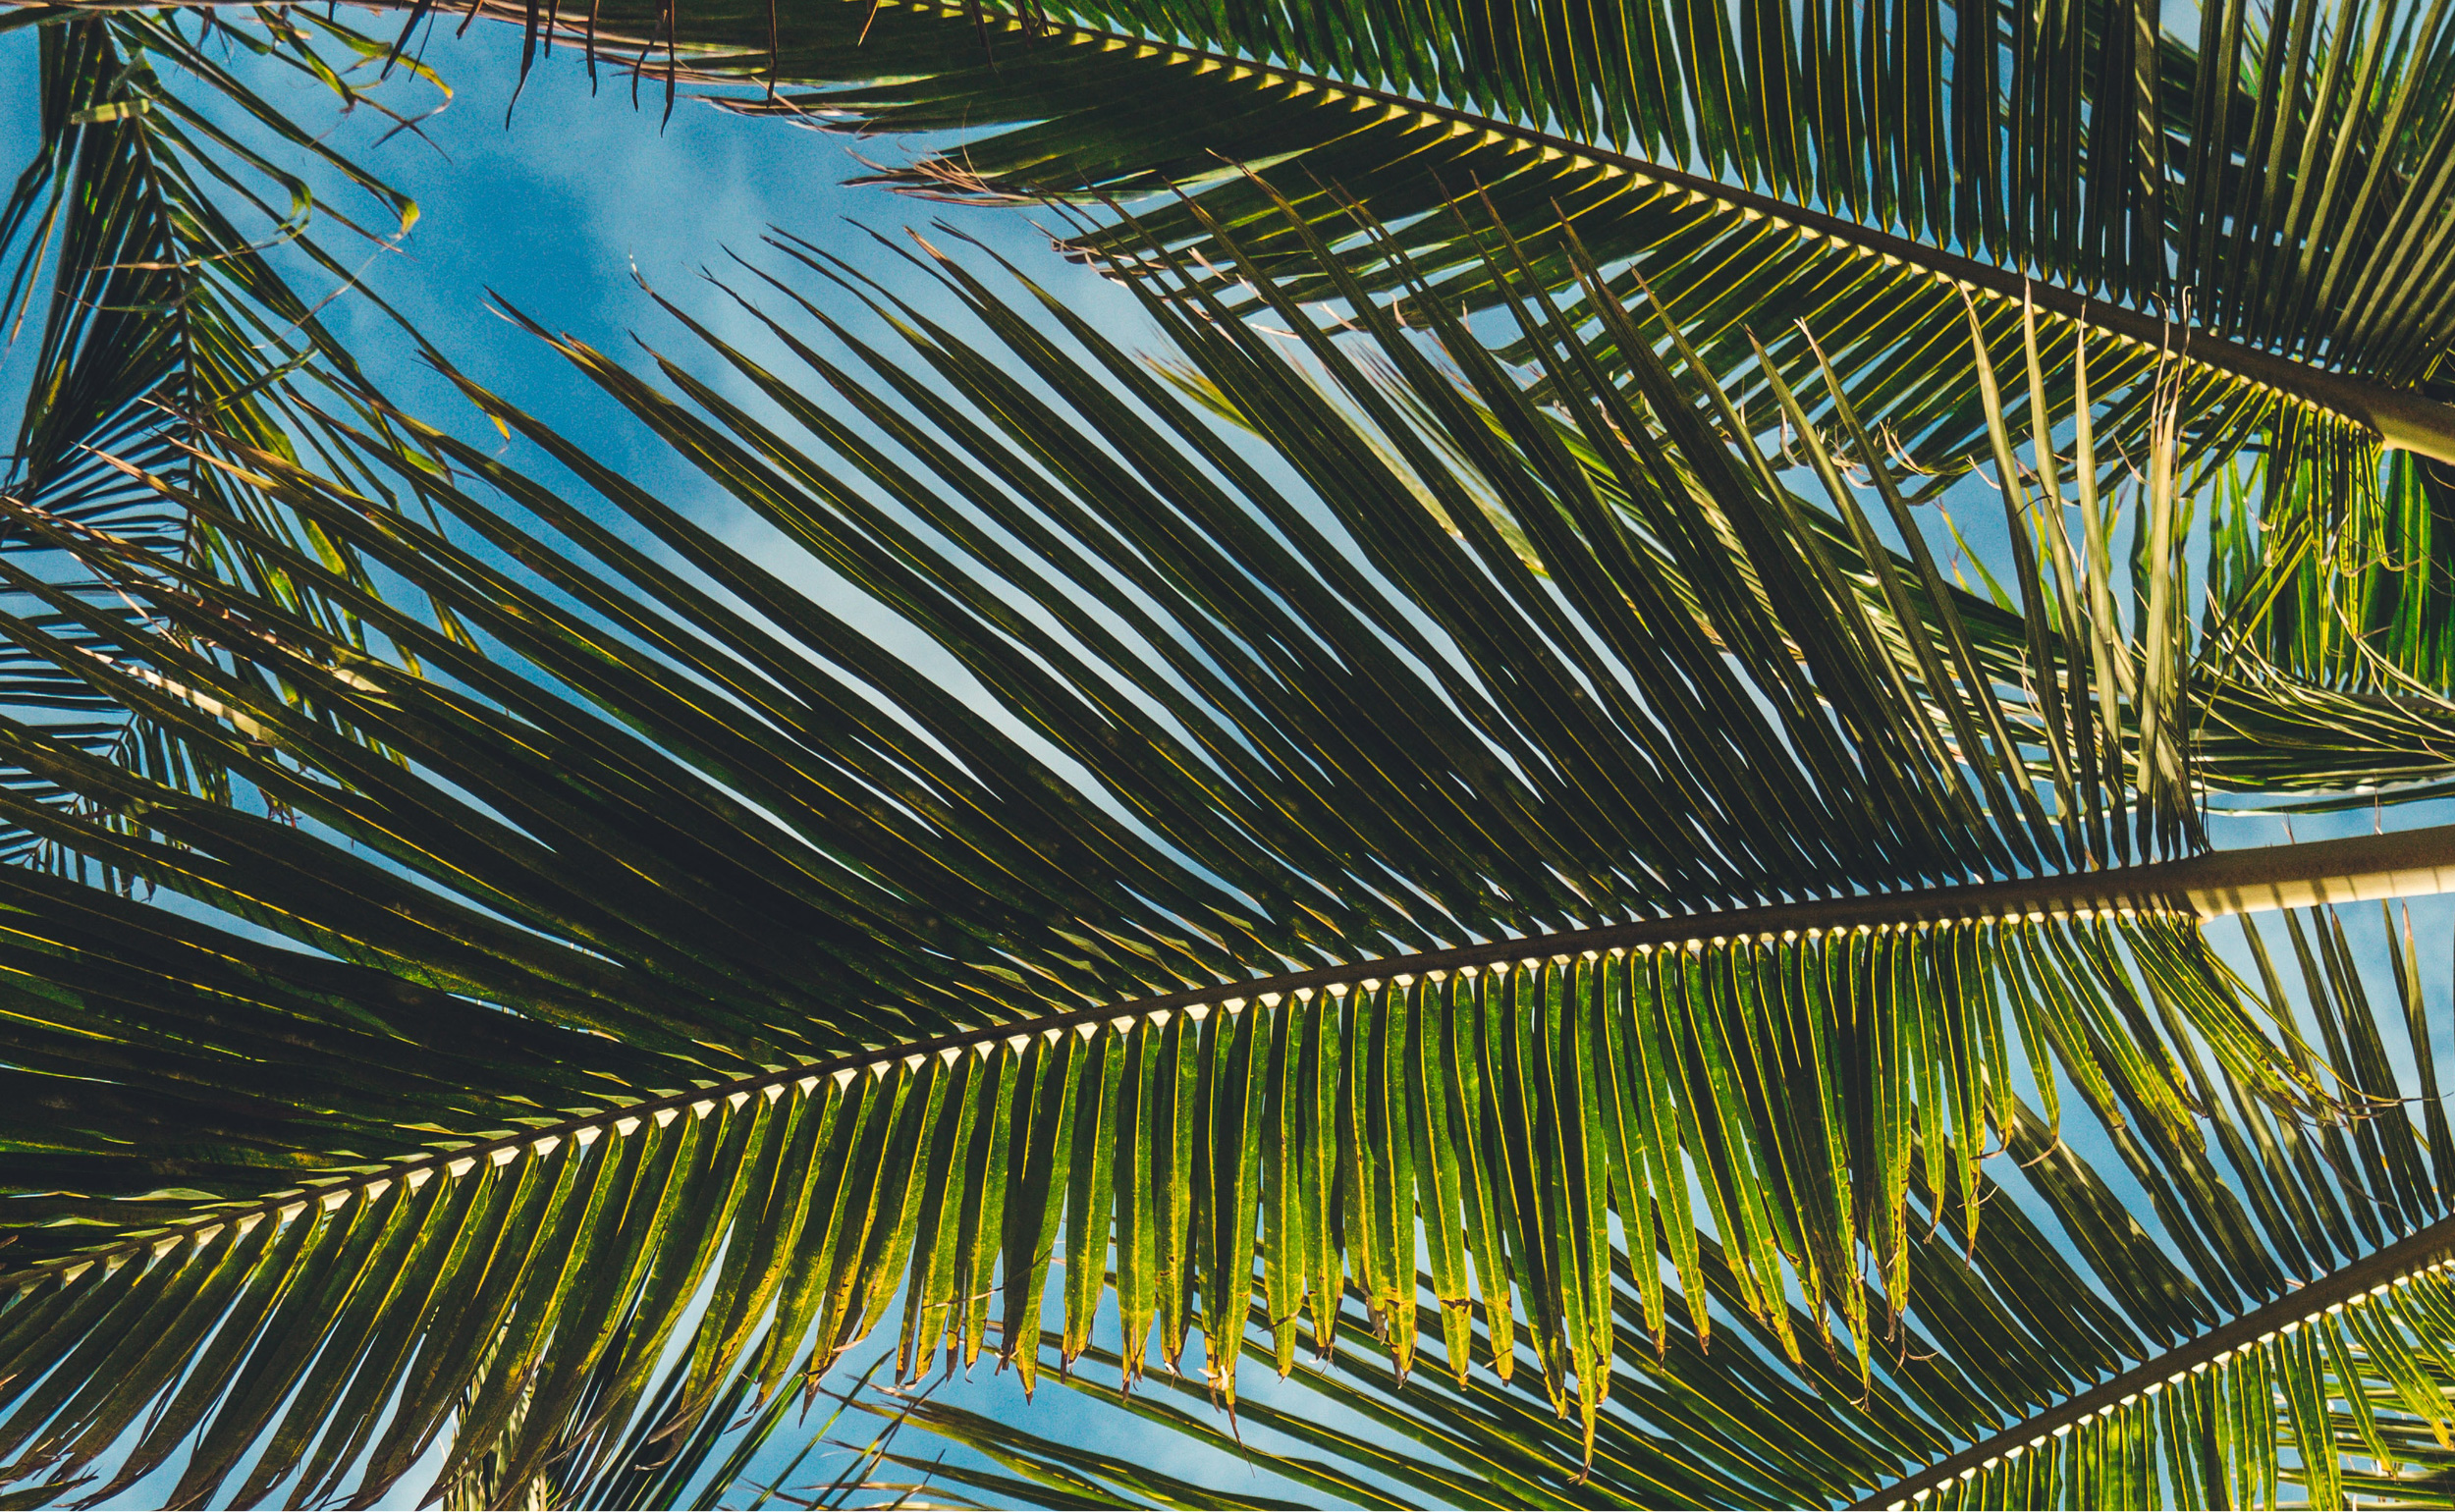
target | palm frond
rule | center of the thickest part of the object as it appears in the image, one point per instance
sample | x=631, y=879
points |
x=2297, y=152
x=1967, y=124
x=1750, y=270
x=2358, y=608
x=1833, y=241
x=1525, y=1103
x=1836, y=244
x=2235, y=1335
x=877, y=984
x=144, y=239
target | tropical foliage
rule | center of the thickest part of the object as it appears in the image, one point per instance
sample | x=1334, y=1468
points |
x=167, y=331
x=1484, y=824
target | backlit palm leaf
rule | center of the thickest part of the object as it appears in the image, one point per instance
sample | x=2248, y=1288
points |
x=2157, y=1355
x=1849, y=230
x=1891, y=173
x=1879, y=174
x=142, y=236
x=1831, y=236
x=806, y=988
x=2330, y=211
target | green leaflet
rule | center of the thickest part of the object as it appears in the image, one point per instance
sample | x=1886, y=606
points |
x=1089, y=1196
x=537, y=1263
x=166, y=329
x=2211, y=1431
x=1097, y=127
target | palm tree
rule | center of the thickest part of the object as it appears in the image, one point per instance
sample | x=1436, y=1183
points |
x=1466, y=833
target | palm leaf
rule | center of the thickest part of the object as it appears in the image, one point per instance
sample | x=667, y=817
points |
x=1900, y=372
x=164, y=324
x=1880, y=244
x=879, y=987
x=2146, y=1360
x=1836, y=240
x=2100, y=239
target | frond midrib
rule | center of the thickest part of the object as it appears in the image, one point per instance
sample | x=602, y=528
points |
x=2402, y=418
x=2429, y=1247
x=2404, y=863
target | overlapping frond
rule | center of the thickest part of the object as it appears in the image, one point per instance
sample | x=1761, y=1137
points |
x=1843, y=254
x=1279, y=829
x=1814, y=1087
x=1832, y=243
x=161, y=318
x=2273, y=1315
x=147, y=242
x=2360, y=608
x=2296, y=147
x=1737, y=264
x=2324, y=668
x=2269, y=195
x=676, y=802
